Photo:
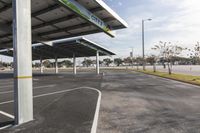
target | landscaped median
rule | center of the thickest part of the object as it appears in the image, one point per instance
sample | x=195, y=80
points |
x=179, y=77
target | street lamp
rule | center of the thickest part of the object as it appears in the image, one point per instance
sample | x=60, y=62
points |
x=143, y=56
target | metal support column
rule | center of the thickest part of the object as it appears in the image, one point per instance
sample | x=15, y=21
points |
x=56, y=65
x=41, y=66
x=74, y=66
x=97, y=62
x=23, y=95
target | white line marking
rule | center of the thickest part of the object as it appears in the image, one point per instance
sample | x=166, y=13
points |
x=10, y=125
x=38, y=87
x=7, y=83
x=48, y=94
x=6, y=102
x=96, y=116
x=8, y=80
x=45, y=86
x=6, y=92
x=6, y=86
x=56, y=92
x=6, y=114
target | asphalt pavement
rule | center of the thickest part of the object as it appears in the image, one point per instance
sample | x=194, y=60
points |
x=62, y=103
x=138, y=103
x=131, y=103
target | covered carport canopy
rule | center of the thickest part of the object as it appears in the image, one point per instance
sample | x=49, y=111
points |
x=65, y=48
x=23, y=22
x=54, y=19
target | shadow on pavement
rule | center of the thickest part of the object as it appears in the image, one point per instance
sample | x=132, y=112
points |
x=6, y=123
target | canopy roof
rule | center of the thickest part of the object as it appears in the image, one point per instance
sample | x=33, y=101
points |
x=65, y=48
x=52, y=20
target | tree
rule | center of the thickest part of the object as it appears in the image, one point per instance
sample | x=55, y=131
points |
x=36, y=65
x=47, y=64
x=139, y=61
x=66, y=63
x=94, y=62
x=107, y=61
x=166, y=51
x=194, y=54
x=1, y=64
x=87, y=62
x=118, y=61
x=152, y=60
x=128, y=60
x=100, y=62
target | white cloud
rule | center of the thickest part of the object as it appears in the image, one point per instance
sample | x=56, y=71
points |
x=119, y=3
x=173, y=20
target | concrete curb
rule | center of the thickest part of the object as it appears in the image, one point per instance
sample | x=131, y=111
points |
x=169, y=78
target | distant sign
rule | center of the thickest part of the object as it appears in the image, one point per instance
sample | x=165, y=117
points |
x=86, y=14
x=131, y=54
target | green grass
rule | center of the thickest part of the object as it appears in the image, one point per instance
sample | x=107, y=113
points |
x=179, y=77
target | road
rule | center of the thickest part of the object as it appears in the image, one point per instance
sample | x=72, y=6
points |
x=131, y=103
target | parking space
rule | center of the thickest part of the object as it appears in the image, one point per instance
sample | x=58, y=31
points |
x=131, y=103
x=79, y=102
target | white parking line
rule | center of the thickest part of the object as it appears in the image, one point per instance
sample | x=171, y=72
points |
x=6, y=92
x=96, y=116
x=5, y=86
x=10, y=125
x=45, y=86
x=6, y=102
x=6, y=80
x=38, y=87
x=6, y=83
x=7, y=115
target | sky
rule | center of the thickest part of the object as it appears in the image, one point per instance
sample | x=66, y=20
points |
x=177, y=21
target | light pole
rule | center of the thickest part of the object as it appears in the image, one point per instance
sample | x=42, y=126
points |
x=143, y=56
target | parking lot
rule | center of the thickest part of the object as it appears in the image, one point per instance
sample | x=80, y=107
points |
x=131, y=103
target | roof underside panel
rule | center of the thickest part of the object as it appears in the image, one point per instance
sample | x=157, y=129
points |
x=51, y=20
x=81, y=47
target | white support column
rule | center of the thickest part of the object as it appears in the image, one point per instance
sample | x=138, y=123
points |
x=41, y=66
x=23, y=95
x=74, y=66
x=97, y=62
x=56, y=65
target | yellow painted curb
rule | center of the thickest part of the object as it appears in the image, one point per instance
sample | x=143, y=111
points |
x=23, y=77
